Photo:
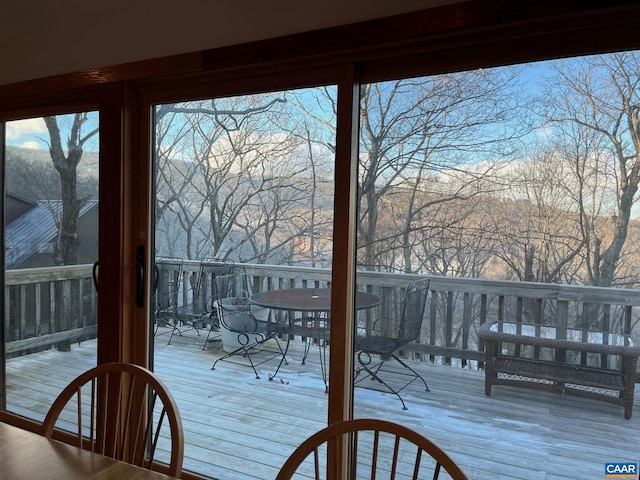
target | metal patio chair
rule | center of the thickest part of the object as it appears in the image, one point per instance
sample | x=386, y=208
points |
x=200, y=312
x=250, y=334
x=386, y=337
x=167, y=278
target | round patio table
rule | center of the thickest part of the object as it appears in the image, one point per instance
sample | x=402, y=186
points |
x=316, y=301
x=308, y=299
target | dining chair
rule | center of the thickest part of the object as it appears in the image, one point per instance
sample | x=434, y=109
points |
x=372, y=449
x=120, y=410
x=378, y=345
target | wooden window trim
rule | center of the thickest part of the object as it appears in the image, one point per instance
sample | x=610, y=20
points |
x=452, y=37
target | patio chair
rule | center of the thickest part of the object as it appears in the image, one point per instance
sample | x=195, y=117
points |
x=374, y=449
x=386, y=337
x=201, y=311
x=86, y=414
x=250, y=334
x=167, y=278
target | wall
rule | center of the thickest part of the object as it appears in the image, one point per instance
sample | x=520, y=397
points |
x=50, y=37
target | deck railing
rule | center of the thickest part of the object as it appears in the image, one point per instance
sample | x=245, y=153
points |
x=55, y=305
x=49, y=305
x=458, y=306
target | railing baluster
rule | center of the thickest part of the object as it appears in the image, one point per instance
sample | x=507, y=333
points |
x=23, y=311
x=448, y=326
x=562, y=319
x=433, y=321
x=38, y=308
x=466, y=321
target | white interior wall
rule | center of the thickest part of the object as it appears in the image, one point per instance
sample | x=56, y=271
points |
x=49, y=37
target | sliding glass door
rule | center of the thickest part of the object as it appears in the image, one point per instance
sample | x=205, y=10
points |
x=503, y=195
x=50, y=200
x=243, y=243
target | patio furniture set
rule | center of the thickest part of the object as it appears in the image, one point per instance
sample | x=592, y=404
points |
x=258, y=327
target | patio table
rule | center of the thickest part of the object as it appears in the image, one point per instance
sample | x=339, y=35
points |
x=314, y=301
x=613, y=384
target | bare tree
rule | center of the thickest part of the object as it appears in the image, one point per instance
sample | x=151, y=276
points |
x=65, y=160
x=420, y=135
x=232, y=177
x=593, y=113
x=536, y=232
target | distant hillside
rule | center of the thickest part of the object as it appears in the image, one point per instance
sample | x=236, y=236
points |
x=30, y=174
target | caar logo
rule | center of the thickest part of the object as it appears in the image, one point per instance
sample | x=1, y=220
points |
x=621, y=470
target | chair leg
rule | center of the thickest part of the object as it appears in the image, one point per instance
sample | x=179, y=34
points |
x=322, y=349
x=240, y=350
x=246, y=351
x=405, y=365
x=173, y=332
x=307, y=346
x=163, y=320
x=181, y=323
x=283, y=357
x=212, y=325
x=374, y=373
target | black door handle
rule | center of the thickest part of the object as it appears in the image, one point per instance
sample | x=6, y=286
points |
x=95, y=275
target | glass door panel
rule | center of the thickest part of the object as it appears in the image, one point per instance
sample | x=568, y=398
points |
x=501, y=189
x=243, y=248
x=51, y=246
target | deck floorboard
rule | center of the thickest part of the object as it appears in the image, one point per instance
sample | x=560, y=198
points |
x=238, y=427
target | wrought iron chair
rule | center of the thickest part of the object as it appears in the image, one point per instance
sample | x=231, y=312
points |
x=167, y=278
x=248, y=332
x=386, y=337
x=374, y=449
x=86, y=415
x=201, y=311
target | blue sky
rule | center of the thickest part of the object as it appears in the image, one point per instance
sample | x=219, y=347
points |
x=27, y=133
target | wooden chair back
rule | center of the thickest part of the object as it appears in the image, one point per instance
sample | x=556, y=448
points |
x=122, y=411
x=371, y=449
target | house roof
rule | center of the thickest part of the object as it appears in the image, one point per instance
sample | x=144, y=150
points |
x=26, y=235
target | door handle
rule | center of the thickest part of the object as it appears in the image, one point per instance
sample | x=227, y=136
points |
x=95, y=275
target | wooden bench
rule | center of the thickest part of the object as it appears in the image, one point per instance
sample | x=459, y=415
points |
x=614, y=385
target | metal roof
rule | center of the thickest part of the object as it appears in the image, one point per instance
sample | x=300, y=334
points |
x=30, y=233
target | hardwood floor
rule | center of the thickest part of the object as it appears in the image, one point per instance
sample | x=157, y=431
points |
x=238, y=427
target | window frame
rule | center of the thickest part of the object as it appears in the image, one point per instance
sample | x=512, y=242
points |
x=456, y=37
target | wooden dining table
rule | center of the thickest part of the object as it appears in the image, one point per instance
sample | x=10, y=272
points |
x=27, y=455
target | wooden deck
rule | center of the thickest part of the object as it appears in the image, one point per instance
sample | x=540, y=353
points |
x=238, y=427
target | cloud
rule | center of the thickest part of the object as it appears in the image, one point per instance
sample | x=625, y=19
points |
x=32, y=145
x=16, y=130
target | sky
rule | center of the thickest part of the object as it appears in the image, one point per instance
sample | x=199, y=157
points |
x=26, y=133
x=32, y=133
